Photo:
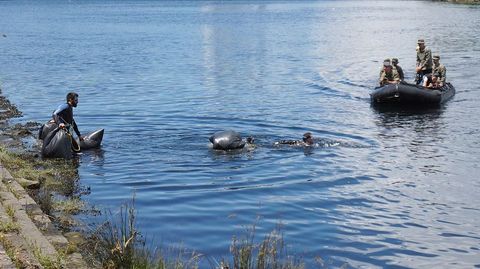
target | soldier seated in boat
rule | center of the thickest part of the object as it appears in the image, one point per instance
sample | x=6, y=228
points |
x=388, y=75
x=432, y=81
x=398, y=68
x=440, y=69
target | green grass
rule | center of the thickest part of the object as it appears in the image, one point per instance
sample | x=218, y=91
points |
x=118, y=244
x=57, y=176
x=70, y=206
x=269, y=253
x=11, y=251
x=10, y=212
x=48, y=262
x=8, y=227
x=53, y=172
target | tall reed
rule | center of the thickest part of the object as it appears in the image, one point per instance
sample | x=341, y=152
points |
x=270, y=253
x=118, y=244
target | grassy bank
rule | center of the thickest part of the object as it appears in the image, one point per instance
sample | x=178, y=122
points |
x=44, y=180
x=117, y=242
x=460, y=1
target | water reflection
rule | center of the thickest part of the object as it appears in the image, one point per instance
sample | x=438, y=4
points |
x=94, y=156
x=419, y=120
x=249, y=48
x=418, y=132
x=231, y=155
x=163, y=75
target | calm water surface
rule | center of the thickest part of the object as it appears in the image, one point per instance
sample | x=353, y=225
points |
x=395, y=189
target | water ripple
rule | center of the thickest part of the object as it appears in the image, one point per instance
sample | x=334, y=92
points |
x=382, y=188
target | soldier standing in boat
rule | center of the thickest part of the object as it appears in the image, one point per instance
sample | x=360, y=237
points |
x=424, y=61
x=388, y=75
x=398, y=68
x=440, y=69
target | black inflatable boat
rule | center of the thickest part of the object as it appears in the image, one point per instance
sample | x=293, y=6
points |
x=411, y=94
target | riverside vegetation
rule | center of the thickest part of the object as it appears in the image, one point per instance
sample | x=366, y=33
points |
x=115, y=243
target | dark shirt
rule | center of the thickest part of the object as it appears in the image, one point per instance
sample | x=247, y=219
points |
x=400, y=72
x=64, y=114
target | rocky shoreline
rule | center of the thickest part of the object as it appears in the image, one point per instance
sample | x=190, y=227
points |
x=38, y=199
x=28, y=237
x=460, y=1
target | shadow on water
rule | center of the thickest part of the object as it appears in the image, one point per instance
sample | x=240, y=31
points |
x=232, y=155
x=93, y=156
x=401, y=116
x=414, y=134
x=413, y=121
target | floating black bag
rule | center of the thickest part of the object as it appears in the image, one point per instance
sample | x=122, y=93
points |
x=226, y=140
x=57, y=144
x=46, y=129
x=92, y=140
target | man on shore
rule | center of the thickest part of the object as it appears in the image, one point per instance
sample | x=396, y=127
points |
x=424, y=61
x=388, y=75
x=63, y=115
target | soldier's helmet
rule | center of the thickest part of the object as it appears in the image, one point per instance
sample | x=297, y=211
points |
x=394, y=61
x=386, y=62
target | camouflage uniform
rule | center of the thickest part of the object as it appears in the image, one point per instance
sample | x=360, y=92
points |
x=398, y=68
x=400, y=72
x=442, y=71
x=424, y=59
x=388, y=76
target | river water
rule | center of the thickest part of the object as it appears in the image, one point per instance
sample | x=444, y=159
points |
x=382, y=188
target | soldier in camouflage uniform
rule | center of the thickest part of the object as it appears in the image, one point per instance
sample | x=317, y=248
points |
x=398, y=68
x=424, y=61
x=432, y=81
x=388, y=75
x=440, y=69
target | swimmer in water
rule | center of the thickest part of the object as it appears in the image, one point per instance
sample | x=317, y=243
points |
x=306, y=141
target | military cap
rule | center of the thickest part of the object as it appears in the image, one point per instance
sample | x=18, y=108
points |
x=421, y=41
x=437, y=57
x=395, y=60
x=386, y=62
